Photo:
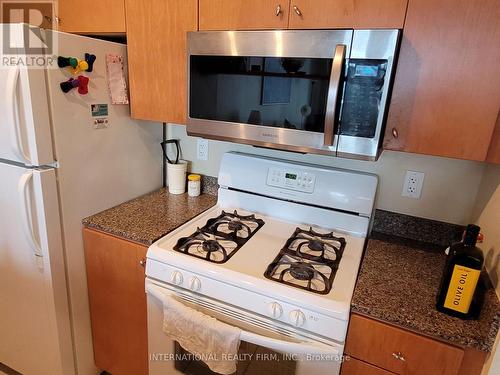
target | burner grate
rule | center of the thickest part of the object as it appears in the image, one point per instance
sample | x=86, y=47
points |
x=221, y=237
x=309, y=260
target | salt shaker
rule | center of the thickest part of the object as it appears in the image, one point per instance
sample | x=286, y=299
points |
x=194, y=185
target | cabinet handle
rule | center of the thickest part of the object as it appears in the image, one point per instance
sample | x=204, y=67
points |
x=50, y=19
x=297, y=10
x=399, y=356
x=395, y=133
x=278, y=10
x=142, y=262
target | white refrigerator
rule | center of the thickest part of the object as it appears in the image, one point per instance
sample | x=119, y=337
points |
x=56, y=168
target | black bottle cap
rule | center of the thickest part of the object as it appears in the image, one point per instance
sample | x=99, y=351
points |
x=471, y=234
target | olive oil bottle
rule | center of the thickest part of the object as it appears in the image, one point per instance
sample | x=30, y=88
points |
x=461, y=275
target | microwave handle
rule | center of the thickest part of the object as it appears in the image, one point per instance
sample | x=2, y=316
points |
x=300, y=348
x=333, y=93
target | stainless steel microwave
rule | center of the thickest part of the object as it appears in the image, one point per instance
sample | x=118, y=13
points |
x=318, y=91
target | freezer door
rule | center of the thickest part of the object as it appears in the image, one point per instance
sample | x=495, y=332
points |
x=25, y=134
x=35, y=328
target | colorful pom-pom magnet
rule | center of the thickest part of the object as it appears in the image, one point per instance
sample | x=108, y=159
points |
x=90, y=59
x=82, y=83
x=76, y=65
x=82, y=66
x=63, y=62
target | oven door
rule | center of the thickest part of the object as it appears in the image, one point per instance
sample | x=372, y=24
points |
x=267, y=347
x=278, y=89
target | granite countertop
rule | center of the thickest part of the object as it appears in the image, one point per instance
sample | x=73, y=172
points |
x=149, y=217
x=398, y=283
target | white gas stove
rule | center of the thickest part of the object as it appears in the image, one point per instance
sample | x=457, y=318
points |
x=277, y=256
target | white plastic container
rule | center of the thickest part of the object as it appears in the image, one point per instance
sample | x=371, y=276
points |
x=194, y=185
x=176, y=175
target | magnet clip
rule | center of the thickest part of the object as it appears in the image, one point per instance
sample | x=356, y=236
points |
x=63, y=62
x=82, y=83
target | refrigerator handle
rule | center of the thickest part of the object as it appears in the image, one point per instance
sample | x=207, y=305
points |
x=16, y=143
x=27, y=215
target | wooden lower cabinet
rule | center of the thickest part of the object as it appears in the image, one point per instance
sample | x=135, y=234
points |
x=378, y=348
x=353, y=366
x=115, y=278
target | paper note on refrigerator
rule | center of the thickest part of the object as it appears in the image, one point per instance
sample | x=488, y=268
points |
x=117, y=83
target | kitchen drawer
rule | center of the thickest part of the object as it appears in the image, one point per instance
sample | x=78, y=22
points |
x=398, y=350
x=353, y=366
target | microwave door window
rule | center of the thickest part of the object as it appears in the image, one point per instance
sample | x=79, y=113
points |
x=267, y=91
x=361, y=105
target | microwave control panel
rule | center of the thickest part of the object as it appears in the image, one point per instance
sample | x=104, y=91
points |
x=291, y=179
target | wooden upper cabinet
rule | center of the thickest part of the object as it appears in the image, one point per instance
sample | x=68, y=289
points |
x=243, y=14
x=321, y=14
x=357, y=14
x=494, y=149
x=92, y=16
x=156, y=38
x=446, y=93
x=379, y=14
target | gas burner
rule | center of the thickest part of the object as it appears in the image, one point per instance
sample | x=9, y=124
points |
x=302, y=271
x=318, y=246
x=206, y=245
x=239, y=226
x=309, y=260
x=220, y=237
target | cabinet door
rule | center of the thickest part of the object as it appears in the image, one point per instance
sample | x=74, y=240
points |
x=400, y=351
x=115, y=278
x=243, y=14
x=352, y=366
x=357, y=14
x=92, y=16
x=494, y=149
x=447, y=88
x=156, y=38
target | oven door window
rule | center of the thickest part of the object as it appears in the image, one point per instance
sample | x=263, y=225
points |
x=269, y=91
x=253, y=360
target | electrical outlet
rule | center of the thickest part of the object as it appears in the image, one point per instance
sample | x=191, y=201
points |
x=202, y=149
x=413, y=183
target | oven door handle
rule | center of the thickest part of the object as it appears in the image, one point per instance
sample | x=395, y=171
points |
x=298, y=348
x=334, y=89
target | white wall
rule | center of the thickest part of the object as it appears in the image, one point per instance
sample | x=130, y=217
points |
x=487, y=212
x=449, y=191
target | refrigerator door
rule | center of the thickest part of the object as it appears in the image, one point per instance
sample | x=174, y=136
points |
x=25, y=135
x=34, y=316
x=99, y=167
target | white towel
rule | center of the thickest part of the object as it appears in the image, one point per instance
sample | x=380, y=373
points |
x=214, y=342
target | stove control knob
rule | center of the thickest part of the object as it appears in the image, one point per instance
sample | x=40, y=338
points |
x=194, y=284
x=297, y=318
x=275, y=310
x=176, y=278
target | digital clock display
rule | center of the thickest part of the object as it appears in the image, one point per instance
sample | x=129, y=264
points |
x=291, y=176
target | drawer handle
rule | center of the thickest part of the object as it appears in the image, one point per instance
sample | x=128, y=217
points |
x=395, y=133
x=278, y=10
x=399, y=356
x=142, y=262
x=297, y=10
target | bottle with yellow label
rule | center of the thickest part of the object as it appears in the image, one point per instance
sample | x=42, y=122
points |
x=461, y=276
